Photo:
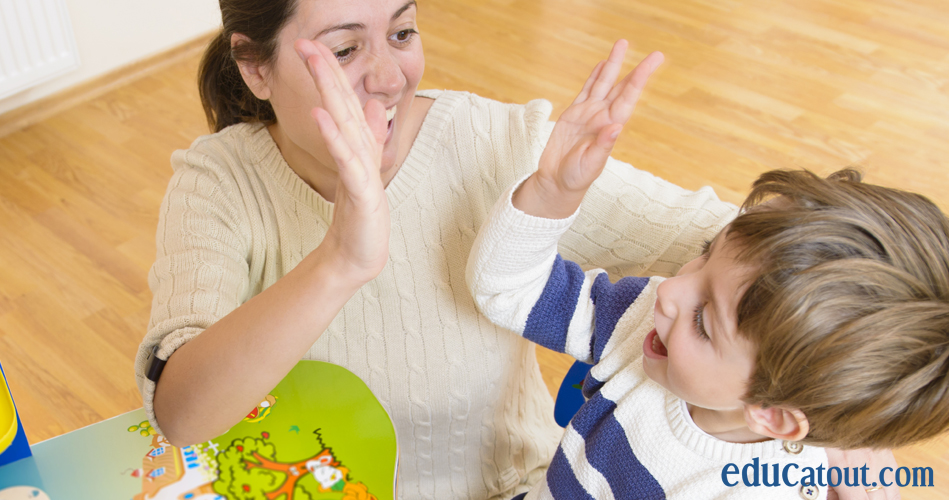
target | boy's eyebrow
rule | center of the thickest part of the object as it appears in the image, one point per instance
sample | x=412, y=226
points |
x=360, y=26
x=707, y=246
x=720, y=329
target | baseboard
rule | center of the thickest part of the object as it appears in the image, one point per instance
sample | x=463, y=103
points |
x=37, y=111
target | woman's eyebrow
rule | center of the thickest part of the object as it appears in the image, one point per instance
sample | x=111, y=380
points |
x=403, y=9
x=360, y=26
x=339, y=27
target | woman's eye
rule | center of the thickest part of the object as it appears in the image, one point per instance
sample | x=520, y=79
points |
x=404, y=36
x=699, y=321
x=345, y=54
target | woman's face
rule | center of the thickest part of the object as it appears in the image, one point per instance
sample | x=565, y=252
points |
x=376, y=43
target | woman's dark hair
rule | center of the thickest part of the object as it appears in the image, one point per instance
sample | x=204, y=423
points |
x=226, y=98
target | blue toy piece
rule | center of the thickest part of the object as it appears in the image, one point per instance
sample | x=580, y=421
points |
x=13, y=443
x=570, y=397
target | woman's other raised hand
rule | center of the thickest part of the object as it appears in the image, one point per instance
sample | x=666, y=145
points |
x=583, y=137
x=358, y=237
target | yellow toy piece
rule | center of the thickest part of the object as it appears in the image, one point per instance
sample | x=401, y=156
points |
x=8, y=423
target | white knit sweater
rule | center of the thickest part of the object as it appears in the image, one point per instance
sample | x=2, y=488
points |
x=473, y=417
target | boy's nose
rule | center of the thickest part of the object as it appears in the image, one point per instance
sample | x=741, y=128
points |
x=665, y=303
x=384, y=76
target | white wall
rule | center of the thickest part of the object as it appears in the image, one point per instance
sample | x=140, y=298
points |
x=113, y=33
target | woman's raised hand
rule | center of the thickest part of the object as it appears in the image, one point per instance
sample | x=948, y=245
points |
x=584, y=135
x=358, y=238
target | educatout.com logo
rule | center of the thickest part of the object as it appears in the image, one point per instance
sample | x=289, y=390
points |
x=756, y=473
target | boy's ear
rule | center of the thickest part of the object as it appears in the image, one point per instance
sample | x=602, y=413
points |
x=789, y=424
x=255, y=75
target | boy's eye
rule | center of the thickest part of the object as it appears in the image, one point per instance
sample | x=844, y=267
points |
x=699, y=321
x=706, y=248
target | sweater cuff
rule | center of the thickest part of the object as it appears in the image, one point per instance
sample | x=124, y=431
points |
x=532, y=227
x=167, y=345
x=513, y=241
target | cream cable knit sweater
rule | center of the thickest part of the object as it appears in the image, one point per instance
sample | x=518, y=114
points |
x=473, y=417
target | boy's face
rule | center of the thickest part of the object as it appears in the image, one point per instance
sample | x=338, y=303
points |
x=695, y=351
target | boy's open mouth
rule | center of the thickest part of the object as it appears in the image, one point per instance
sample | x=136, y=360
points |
x=653, y=346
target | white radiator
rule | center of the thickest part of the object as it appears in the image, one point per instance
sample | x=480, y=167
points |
x=36, y=43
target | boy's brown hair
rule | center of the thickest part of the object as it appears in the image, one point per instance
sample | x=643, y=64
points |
x=849, y=307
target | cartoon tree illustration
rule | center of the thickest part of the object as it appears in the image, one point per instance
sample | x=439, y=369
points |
x=248, y=469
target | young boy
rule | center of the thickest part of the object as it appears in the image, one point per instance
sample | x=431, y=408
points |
x=818, y=317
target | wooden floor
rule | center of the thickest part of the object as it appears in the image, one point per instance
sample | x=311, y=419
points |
x=748, y=86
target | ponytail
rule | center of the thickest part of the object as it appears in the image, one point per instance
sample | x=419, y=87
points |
x=225, y=97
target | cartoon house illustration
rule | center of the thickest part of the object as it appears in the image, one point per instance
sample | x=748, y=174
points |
x=172, y=473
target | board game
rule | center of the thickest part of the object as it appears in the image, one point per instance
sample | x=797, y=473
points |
x=320, y=434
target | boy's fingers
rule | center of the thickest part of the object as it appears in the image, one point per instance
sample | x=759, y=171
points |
x=648, y=65
x=589, y=155
x=607, y=136
x=645, y=68
x=640, y=74
x=622, y=106
x=585, y=91
x=607, y=77
x=603, y=146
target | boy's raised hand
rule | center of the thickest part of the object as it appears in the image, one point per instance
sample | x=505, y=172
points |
x=583, y=137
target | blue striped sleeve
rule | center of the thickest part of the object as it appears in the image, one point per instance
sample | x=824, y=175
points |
x=610, y=302
x=549, y=319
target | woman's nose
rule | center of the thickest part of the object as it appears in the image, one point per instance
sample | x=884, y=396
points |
x=384, y=76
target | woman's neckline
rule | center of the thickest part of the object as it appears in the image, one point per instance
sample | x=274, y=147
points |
x=399, y=187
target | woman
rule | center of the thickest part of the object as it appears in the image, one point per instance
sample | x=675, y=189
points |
x=265, y=257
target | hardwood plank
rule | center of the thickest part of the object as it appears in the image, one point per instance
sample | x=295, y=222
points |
x=748, y=86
